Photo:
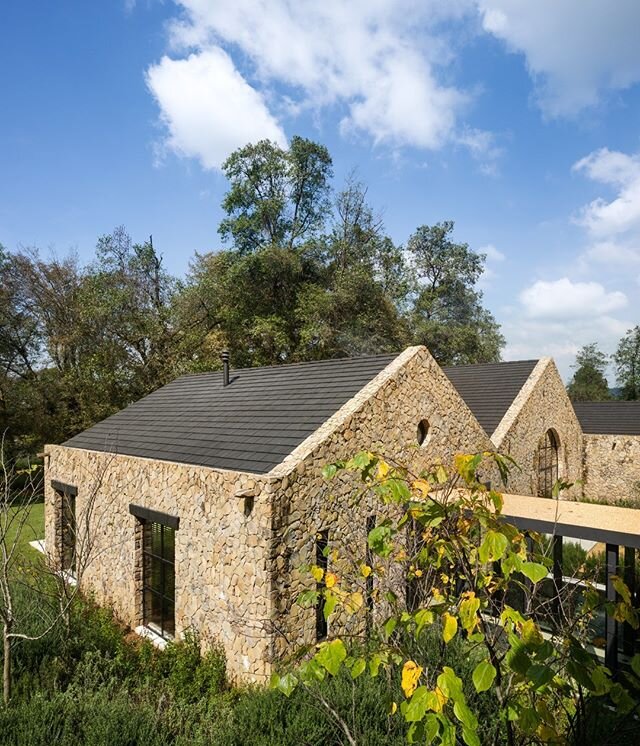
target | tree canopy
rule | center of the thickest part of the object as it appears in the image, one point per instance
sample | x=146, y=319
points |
x=308, y=272
x=627, y=361
x=589, y=382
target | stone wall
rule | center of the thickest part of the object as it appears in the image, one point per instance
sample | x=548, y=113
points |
x=222, y=576
x=383, y=418
x=612, y=468
x=541, y=405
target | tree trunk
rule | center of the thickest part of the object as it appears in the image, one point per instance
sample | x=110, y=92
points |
x=6, y=669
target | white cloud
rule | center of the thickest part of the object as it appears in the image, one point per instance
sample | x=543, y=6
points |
x=377, y=62
x=208, y=108
x=493, y=255
x=561, y=340
x=562, y=300
x=575, y=50
x=612, y=226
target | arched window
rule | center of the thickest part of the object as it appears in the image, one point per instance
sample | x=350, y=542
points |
x=547, y=464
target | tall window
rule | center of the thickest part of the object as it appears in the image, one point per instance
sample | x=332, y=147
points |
x=371, y=524
x=66, y=525
x=322, y=561
x=159, y=580
x=68, y=532
x=547, y=464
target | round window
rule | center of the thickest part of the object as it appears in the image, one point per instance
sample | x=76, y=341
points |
x=423, y=432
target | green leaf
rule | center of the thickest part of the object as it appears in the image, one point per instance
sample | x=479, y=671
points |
x=422, y=619
x=450, y=627
x=539, y=675
x=379, y=540
x=516, y=657
x=330, y=602
x=374, y=665
x=621, y=588
x=470, y=737
x=358, y=667
x=418, y=705
x=287, y=683
x=534, y=571
x=389, y=626
x=329, y=471
x=483, y=676
x=468, y=612
x=308, y=598
x=493, y=546
x=311, y=671
x=464, y=714
x=635, y=664
x=450, y=684
x=331, y=655
x=431, y=727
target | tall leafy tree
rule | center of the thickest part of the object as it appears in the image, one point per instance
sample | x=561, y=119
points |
x=627, y=361
x=447, y=314
x=589, y=382
x=277, y=197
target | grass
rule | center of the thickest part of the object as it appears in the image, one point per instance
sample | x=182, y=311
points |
x=32, y=529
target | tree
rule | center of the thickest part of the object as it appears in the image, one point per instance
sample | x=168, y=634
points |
x=447, y=314
x=277, y=197
x=444, y=570
x=589, y=382
x=627, y=360
x=36, y=596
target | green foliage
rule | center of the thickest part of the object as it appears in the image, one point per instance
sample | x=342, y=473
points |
x=478, y=587
x=277, y=197
x=310, y=273
x=589, y=382
x=448, y=316
x=627, y=361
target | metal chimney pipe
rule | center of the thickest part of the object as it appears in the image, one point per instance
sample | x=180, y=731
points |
x=225, y=367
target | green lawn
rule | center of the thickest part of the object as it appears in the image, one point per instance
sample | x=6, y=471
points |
x=32, y=529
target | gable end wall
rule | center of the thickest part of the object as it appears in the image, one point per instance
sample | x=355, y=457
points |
x=383, y=418
x=541, y=405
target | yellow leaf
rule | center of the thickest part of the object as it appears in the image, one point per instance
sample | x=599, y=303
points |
x=330, y=579
x=353, y=602
x=365, y=571
x=441, y=699
x=410, y=674
x=441, y=474
x=422, y=486
x=450, y=627
x=317, y=573
x=393, y=709
x=531, y=634
x=383, y=469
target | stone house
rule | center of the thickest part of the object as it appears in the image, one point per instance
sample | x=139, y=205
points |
x=199, y=504
x=611, y=450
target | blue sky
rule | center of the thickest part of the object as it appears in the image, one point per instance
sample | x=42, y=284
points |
x=517, y=120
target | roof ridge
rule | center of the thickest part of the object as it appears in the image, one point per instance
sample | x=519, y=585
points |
x=298, y=364
x=499, y=362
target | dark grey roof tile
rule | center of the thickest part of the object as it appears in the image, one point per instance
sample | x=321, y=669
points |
x=609, y=417
x=489, y=389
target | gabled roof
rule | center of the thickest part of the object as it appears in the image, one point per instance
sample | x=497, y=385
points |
x=489, y=389
x=609, y=417
x=249, y=425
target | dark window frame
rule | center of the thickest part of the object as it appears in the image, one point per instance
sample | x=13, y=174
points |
x=548, y=463
x=66, y=495
x=322, y=561
x=162, y=565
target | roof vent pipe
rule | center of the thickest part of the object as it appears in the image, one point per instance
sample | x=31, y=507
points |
x=225, y=367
